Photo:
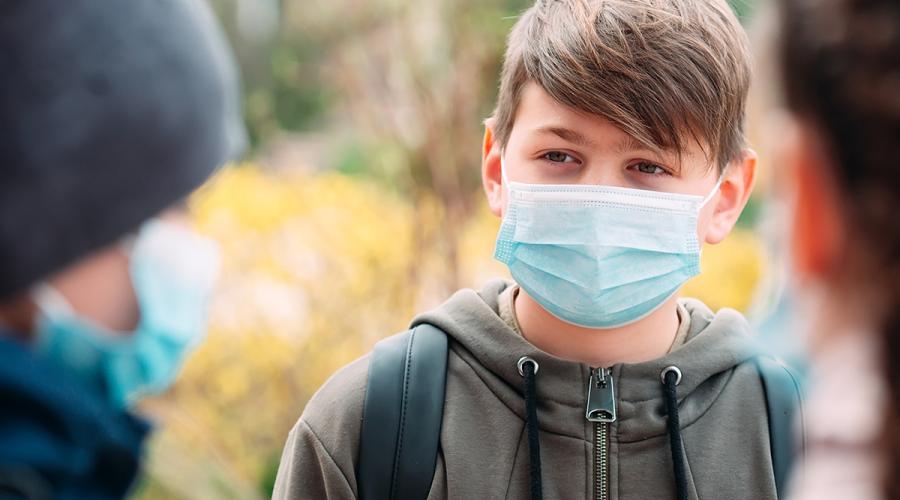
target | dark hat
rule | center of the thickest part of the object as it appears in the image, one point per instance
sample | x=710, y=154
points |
x=110, y=112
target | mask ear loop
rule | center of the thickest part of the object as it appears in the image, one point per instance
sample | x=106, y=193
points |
x=506, y=184
x=715, y=188
x=503, y=176
x=712, y=194
x=49, y=300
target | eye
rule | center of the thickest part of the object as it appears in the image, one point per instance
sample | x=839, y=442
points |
x=647, y=168
x=559, y=157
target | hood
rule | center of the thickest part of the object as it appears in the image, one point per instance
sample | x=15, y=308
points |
x=716, y=343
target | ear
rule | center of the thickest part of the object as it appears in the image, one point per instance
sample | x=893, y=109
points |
x=818, y=226
x=734, y=193
x=491, y=176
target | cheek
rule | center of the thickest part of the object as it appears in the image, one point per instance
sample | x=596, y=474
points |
x=100, y=289
x=704, y=221
x=803, y=248
x=817, y=235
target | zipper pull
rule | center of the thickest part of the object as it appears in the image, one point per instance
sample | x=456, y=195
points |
x=601, y=399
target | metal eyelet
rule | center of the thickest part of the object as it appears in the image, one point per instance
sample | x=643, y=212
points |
x=673, y=368
x=526, y=359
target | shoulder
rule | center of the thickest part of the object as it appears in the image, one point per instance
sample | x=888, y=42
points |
x=320, y=455
x=336, y=408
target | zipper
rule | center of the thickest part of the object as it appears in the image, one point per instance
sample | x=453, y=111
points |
x=601, y=410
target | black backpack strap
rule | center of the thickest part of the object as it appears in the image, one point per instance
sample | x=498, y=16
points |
x=402, y=416
x=783, y=401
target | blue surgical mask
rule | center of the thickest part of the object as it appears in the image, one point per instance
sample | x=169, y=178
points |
x=173, y=271
x=784, y=310
x=599, y=256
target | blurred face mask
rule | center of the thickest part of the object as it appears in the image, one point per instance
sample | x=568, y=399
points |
x=788, y=305
x=599, y=256
x=173, y=271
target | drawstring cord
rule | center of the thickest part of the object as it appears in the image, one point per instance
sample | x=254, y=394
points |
x=528, y=369
x=671, y=377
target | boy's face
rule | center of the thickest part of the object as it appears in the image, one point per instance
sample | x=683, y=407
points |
x=551, y=143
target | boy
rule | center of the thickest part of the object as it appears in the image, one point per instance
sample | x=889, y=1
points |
x=113, y=113
x=616, y=148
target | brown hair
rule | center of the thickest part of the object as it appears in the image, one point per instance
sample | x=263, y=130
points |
x=840, y=64
x=660, y=70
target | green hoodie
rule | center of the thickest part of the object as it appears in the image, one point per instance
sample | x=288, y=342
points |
x=483, y=444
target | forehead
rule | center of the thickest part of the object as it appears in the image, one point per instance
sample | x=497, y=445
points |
x=539, y=115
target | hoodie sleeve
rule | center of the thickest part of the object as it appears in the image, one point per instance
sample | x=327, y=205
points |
x=319, y=458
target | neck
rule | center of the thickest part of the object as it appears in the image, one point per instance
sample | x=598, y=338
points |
x=644, y=340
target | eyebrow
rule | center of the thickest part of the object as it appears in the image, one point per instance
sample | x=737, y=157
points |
x=631, y=144
x=575, y=137
x=567, y=135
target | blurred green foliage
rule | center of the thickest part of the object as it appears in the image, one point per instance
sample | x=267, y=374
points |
x=744, y=8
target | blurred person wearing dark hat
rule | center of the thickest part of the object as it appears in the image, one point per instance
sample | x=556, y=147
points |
x=111, y=114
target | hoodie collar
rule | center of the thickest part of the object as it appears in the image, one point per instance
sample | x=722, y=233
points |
x=715, y=344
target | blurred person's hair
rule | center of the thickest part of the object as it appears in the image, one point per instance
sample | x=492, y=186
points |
x=840, y=64
x=663, y=71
